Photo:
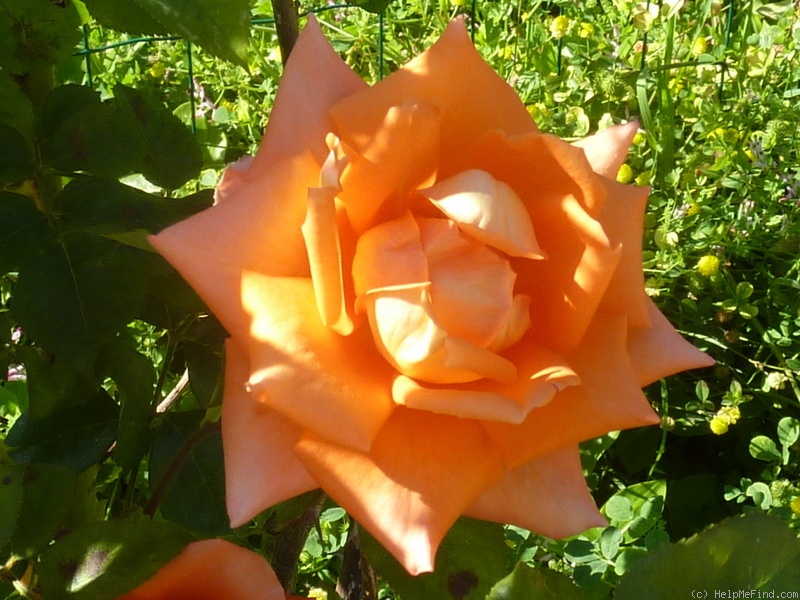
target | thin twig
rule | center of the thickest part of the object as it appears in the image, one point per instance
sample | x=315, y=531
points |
x=188, y=447
x=174, y=394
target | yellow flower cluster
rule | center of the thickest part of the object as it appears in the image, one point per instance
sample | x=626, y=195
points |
x=725, y=417
x=625, y=174
x=708, y=265
x=559, y=26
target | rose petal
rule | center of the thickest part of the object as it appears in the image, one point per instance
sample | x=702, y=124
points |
x=321, y=233
x=623, y=220
x=659, y=351
x=609, y=398
x=566, y=288
x=308, y=373
x=488, y=210
x=541, y=374
x=574, y=162
x=401, y=156
x=405, y=332
x=260, y=466
x=390, y=255
x=515, y=326
x=472, y=288
x=606, y=150
x=470, y=105
x=547, y=495
x=423, y=471
x=233, y=177
x=212, y=570
x=258, y=229
x=315, y=78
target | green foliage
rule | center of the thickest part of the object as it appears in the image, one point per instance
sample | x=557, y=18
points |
x=471, y=558
x=754, y=552
x=98, y=149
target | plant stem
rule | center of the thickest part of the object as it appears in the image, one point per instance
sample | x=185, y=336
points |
x=286, y=25
x=357, y=579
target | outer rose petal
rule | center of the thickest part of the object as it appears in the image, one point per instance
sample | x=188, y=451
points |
x=258, y=446
x=450, y=76
x=308, y=373
x=609, y=398
x=623, y=220
x=256, y=228
x=212, y=570
x=314, y=79
x=257, y=224
x=423, y=471
x=660, y=351
x=547, y=495
x=400, y=156
x=606, y=150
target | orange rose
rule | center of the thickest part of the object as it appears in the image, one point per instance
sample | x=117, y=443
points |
x=430, y=303
x=212, y=570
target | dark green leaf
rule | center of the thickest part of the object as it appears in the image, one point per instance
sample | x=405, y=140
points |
x=16, y=156
x=11, y=477
x=204, y=359
x=125, y=15
x=172, y=155
x=65, y=101
x=74, y=437
x=36, y=34
x=471, y=558
x=50, y=385
x=117, y=211
x=373, y=6
x=76, y=296
x=222, y=27
x=755, y=552
x=526, y=583
x=47, y=495
x=23, y=230
x=99, y=139
x=133, y=374
x=196, y=493
x=108, y=559
x=15, y=108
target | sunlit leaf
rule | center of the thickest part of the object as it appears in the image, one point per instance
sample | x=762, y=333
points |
x=125, y=15
x=36, y=34
x=108, y=559
x=754, y=552
x=527, y=583
x=222, y=27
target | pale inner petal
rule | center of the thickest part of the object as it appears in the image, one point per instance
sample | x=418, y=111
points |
x=410, y=339
x=488, y=210
x=472, y=287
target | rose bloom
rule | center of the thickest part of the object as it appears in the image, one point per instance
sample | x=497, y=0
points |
x=430, y=302
x=212, y=570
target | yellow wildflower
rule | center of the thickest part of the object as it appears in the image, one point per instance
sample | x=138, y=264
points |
x=559, y=26
x=708, y=265
x=625, y=173
x=719, y=426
